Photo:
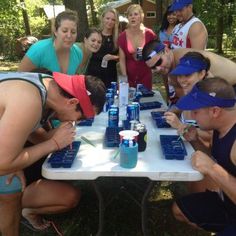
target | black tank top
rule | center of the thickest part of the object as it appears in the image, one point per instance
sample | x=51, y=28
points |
x=221, y=149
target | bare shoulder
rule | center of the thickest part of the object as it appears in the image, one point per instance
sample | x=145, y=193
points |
x=19, y=97
x=222, y=67
x=198, y=25
x=20, y=111
x=180, y=52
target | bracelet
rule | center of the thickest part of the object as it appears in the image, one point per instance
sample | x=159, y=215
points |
x=58, y=147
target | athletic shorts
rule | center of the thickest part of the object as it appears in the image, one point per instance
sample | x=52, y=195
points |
x=208, y=210
x=229, y=231
x=234, y=87
x=14, y=187
x=33, y=172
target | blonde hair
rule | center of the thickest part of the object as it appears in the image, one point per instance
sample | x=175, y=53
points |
x=134, y=7
x=115, y=30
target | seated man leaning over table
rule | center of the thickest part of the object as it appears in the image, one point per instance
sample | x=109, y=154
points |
x=162, y=60
x=212, y=104
x=69, y=98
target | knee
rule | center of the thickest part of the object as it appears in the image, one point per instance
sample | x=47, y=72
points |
x=177, y=213
x=73, y=197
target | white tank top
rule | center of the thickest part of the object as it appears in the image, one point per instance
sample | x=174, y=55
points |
x=180, y=37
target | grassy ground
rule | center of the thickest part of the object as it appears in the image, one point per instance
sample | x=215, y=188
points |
x=8, y=65
x=122, y=215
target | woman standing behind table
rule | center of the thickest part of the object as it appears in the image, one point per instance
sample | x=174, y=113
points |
x=108, y=53
x=58, y=53
x=169, y=21
x=91, y=44
x=131, y=42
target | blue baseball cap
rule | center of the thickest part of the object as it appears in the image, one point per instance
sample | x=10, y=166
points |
x=179, y=4
x=197, y=99
x=158, y=48
x=189, y=65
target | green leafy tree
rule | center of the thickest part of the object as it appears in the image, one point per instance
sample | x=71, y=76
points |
x=80, y=7
x=10, y=26
x=13, y=24
x=219, y=16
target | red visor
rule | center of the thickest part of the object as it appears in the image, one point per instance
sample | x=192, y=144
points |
x=75, y=86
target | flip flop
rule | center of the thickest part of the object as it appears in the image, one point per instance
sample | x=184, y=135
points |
x=27, y=224
x=59, y=233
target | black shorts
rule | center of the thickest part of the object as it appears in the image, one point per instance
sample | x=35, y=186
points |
x=208, y=211
x=33, y=172
x=229, y=231
x=234, y=87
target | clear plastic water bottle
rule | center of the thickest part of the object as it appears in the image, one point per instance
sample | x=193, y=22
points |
x=104, y=63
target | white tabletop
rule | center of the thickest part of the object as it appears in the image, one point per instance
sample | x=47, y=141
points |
x=92, y=162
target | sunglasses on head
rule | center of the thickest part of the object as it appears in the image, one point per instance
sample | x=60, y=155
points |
x=158, y=63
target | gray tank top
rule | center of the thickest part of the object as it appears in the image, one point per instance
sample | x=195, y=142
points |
x=33, y=78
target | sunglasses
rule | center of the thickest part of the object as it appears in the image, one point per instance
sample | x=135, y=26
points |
x=158, y=63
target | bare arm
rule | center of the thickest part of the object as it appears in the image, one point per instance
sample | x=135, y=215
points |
x=26, y=65
x=198, y=36
x=41, y=135
x=191, y=134
x=207, y=166
x=110, y=57
x=122, y=62
x=16, y=125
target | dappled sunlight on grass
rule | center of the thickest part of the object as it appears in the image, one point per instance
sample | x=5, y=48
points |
x=8, y=65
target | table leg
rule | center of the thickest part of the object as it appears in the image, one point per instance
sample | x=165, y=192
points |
x=101, y=208
x=144, y=216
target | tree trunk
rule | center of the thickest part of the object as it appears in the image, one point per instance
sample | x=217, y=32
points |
x=159, y=12
x=80, y=7
x=93, y=13
x=219, y=30
x=26, y=18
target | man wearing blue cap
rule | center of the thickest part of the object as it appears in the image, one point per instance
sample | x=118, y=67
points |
x=190, y=32
x=163, y=60
x=212, y=104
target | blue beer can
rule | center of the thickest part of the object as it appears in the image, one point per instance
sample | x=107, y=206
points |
x=111, y=90
x=125, y=141
x=139, y=55
x=137, y=109
x=113, y=118
x=138, y=87
x=115, y=107
x=130, y=112
x=109, y=100
x=114, y=86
